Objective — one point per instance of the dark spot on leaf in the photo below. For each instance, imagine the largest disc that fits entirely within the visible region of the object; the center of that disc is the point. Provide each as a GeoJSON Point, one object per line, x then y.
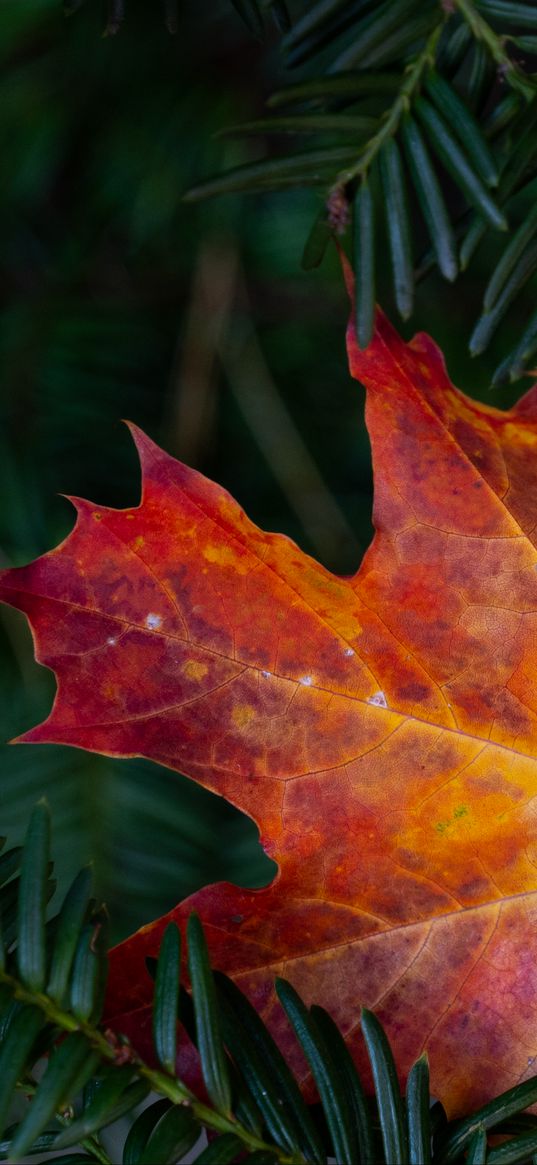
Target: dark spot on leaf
{"type": "Point", "coordinates": [413, 691]}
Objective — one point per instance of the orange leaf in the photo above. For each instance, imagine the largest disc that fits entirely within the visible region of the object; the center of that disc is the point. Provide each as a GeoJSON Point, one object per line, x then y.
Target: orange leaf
{"type": "Point", "coordinates": [381, 729]}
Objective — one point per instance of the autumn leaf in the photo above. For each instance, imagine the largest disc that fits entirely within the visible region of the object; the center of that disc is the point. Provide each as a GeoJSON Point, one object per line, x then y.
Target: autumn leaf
{"type": "Point", "coordinates": [380, 729]}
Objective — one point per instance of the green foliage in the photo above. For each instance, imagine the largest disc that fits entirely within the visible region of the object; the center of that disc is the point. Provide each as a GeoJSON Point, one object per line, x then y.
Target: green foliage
{"type": "Point", "coordinates": [425, 106]}
{"type": "Point", "coordinates": [79, 1080]}
{"type": "Point", "coordinates": [456, 95]}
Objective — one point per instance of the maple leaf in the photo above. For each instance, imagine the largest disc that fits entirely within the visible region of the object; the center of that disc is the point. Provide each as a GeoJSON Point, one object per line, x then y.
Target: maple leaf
{"type": "Point", "coordinates": [380, 729]}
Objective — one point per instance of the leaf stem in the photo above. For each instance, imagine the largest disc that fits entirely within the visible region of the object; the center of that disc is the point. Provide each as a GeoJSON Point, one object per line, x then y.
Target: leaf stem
{"type": "Point", "coordinates": [482, 31]}
{"type": "Point", "coordinates": [393, 116]}
{"type": "Point", "coordinates": [168, 1086]}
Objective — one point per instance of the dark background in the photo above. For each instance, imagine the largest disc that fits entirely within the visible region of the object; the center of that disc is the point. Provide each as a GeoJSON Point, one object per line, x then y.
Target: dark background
{"type": "Point", "coordinates": [195, 321]}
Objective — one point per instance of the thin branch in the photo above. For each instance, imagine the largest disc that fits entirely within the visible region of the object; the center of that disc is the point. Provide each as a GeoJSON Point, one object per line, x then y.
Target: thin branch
{"type": "Point", "coordinates": [167, 1086]}
{"type": "Point", "coordinates": [482, 31]}
{"type": "Point", "coordinates": [393, 116]}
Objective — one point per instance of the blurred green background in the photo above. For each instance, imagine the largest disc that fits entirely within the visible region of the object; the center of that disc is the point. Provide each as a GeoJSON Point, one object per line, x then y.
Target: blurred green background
{"type": "Point", "coordinates": [195, 321]}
